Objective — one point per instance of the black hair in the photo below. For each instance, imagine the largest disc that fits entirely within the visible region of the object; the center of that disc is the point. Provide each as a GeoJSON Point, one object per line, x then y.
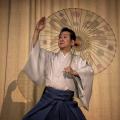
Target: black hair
{"type": "Point", "coordinates": [72, 33]}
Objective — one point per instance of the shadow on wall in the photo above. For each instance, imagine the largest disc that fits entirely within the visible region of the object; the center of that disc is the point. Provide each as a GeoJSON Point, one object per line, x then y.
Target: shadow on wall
{"type": "Point", "coordinates": [12, 110]}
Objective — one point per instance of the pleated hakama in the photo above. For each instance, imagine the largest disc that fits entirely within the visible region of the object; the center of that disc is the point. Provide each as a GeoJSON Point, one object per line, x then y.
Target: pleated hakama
{"type": "Point", "coordinates": [55, 105]}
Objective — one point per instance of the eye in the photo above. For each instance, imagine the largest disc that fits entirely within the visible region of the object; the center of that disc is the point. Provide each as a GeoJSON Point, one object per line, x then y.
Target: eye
{"type": "Point", "coordinates": [60, 37]}
{"type": "Point", "coordinates": [65, 36]}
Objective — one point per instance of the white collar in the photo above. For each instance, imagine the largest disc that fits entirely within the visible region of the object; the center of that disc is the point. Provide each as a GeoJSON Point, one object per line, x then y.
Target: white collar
{"type": "Point", "coordinates": [64, 55]}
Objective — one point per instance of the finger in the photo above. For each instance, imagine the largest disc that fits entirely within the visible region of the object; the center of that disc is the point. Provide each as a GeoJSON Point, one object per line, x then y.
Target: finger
{"type": "Point", "coordinates": [66, 69]}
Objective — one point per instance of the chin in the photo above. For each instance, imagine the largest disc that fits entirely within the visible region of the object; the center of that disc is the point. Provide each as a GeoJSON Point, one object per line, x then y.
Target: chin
{"type": "Point", "coordinates": [61, 47]}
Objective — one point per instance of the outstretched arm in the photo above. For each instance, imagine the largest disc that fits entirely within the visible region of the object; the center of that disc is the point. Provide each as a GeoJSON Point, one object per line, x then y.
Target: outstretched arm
{"type": "Point", "coordinates": [39, 27]}
{"type": "Point", "coordinates": [34, 68]}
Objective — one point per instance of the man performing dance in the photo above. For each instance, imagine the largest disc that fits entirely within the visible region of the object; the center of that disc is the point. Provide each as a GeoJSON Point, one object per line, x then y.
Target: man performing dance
{"type": "Point", "coordinates": [65, 76]}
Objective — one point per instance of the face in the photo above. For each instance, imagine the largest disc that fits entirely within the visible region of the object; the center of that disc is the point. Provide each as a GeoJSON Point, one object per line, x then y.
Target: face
{"type": "Point", "coordinates": [64, 41]}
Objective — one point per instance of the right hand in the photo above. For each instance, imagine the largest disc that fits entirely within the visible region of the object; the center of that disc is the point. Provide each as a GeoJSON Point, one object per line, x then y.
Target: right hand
{"type": "Point", "coordinates": [40, 24]}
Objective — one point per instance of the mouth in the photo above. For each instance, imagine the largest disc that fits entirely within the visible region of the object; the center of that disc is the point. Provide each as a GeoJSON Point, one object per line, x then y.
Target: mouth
{"type": "Point", "coordinates": [61, 43]}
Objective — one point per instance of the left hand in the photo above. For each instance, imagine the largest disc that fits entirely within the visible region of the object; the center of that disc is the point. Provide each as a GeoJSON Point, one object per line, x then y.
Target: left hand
{"type": "Point", "coordinates": [69, 70]}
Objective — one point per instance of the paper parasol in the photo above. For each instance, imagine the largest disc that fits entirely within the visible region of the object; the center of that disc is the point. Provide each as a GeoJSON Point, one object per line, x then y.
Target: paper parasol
{"type": "Point", "coordinates": [95, 39]}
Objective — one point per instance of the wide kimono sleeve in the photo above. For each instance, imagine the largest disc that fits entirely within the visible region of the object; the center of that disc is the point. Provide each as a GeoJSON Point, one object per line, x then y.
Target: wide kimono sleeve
{"type": "Point", "coordinates": [86, 74]}
{"type": "Point", "coordinates": [35, 66]}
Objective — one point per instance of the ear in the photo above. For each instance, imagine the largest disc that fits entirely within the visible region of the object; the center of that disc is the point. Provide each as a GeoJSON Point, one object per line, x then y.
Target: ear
{"type": "Point", "coordinates": [72, 43]}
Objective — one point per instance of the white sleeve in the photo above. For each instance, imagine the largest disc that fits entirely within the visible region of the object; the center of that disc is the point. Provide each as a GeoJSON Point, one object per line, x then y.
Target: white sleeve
{"type": "Point", "coordinates": [85, 72]}
{"type": "Point", "coordinates": [35, 66]}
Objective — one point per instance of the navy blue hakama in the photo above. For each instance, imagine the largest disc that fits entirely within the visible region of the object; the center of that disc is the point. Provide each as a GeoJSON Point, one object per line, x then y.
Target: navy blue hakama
{"type": "Point", "coordinates": [55, 105]}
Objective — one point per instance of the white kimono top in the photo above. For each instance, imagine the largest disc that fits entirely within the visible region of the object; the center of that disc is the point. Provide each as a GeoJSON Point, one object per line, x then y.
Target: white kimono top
{"type": "Point", "coordinates": [45, 66]}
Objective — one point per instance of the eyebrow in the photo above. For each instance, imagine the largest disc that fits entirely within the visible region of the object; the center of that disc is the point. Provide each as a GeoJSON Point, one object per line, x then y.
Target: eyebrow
{"type": "Point", "coordinates": [64, 34]}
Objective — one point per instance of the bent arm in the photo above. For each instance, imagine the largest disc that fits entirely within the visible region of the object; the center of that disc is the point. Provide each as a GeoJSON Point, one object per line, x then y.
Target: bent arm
{"type": "Point", "coordinates": [86, 73]}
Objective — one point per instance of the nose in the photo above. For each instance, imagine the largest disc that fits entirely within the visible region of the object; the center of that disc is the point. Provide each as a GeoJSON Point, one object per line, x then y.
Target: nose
{"type": "Point", "coordinates": [61, 39]}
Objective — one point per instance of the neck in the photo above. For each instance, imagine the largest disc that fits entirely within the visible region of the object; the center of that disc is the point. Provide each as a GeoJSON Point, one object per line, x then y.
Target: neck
{"type": "Point", "coordinates": [65, 51]}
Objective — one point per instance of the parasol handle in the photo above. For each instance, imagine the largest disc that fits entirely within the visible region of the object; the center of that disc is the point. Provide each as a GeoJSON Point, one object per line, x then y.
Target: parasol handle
{"type": "Point", "coordinates": [72, 56]}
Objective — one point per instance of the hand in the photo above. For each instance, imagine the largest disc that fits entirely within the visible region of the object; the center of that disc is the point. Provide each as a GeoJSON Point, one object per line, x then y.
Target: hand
{"type": "Point", "coordinates": [69, 70]}
{"type": "Point", "coordinates": [40, 24]}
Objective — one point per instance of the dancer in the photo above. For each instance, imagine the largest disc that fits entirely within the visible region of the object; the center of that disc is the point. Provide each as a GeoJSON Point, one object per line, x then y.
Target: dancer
{"type": "Point", "coordinates": [65, 76]}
